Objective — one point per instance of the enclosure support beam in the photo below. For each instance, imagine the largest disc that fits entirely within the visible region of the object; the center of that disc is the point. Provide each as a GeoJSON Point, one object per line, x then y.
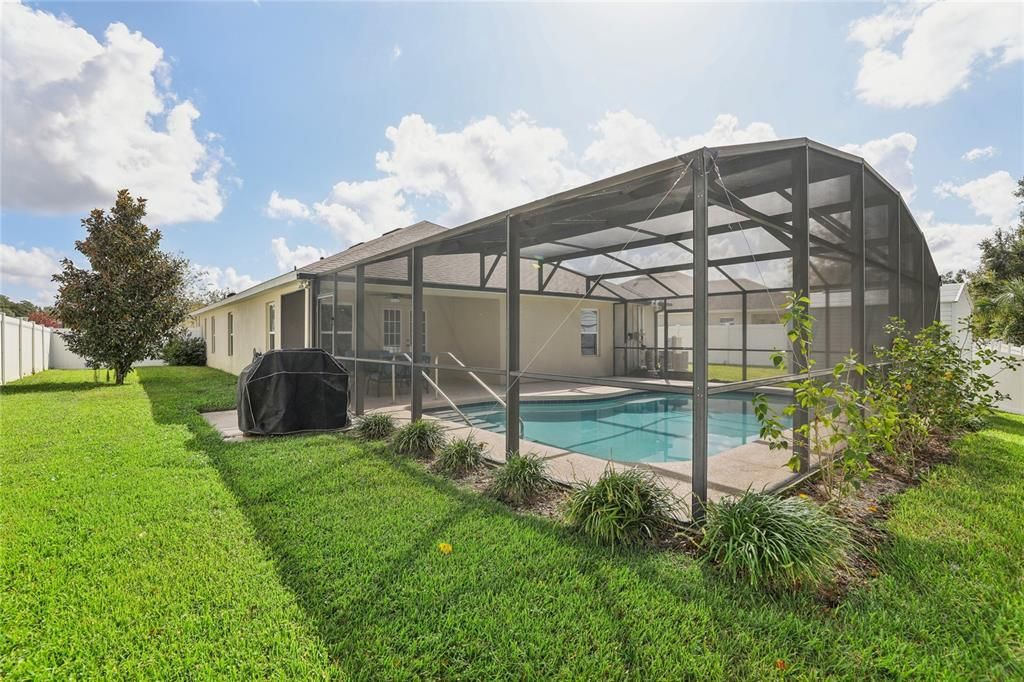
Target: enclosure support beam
{"type": "Point", "coordinates": [895, 262]}
{"type": "Point", "coordinates": [700, 337]}
{"type": "Point", "coordinates": [416, 267]}
{"type": "Point", "coordinates": [334, 317]}
{"type": "Point", "coordinates": [512, 342]}
{"type": "Point", "coordinates": [359, 341]}
{"type": "Point", "coordinates": [743, 333]}
{"type": "Point", "coordinates": [664, 359]}
{"type": "Point", "coordinates": [801, 270]}
{"type": "Point", "coordinates": [857, 279]}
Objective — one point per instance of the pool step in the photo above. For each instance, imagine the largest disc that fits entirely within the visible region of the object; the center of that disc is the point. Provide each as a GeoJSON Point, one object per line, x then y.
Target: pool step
{"type": "Point", "coordinates": [453, 416]}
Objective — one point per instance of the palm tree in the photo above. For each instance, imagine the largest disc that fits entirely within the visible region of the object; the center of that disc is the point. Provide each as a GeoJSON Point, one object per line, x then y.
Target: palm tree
{"type": "Point", "coordinates": [1010, 308]}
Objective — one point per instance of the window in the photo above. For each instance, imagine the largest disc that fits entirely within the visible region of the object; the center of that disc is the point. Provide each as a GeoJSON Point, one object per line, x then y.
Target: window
{"type": "Point", "coordinates": [392, 330]}
{"type": "Point", "coordinates": [343, 329]}
{"type": "Point", "coordinates": [588, 331]}
{"type": "Point", "coordinates": [727, 320]}
{"type": "Point", "coordinates": [206, 328]}
{"type": "Point", "coordinates": [213, 334]}
{"type": "Point", "coordinates": [231, 334]}
{"type": "Point", "coordinates": [271, 326]}
{"type": "Point", "coordinates": [325, 317]}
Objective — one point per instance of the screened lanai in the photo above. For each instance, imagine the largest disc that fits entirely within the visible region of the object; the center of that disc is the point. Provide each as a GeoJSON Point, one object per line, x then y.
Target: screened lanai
{"type": "Point", "coordinates": [640, 315]}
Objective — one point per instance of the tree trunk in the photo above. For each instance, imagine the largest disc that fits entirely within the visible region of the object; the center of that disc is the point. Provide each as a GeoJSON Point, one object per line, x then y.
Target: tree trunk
{"type": "Point", "coordinates": [119, 375]}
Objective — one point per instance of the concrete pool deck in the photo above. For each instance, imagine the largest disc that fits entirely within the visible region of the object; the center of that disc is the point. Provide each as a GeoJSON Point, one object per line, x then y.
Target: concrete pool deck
{"type": "Point", "coordinates": [731, 472]}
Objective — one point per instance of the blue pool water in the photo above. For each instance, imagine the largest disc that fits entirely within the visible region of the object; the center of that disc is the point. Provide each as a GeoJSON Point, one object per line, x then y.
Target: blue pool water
{"type": "Point", "coordinates": [645, 427]}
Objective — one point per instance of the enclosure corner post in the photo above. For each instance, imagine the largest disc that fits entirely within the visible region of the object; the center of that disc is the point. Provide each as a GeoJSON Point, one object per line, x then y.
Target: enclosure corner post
{"type": "Point", "coordinates": [512, 329]}
{"type": "Point", "coordinates": [801, 285]}
{"type": "Point", "coordinates": [858, 279]}
{"type": "Point", "coordinates": [700, 337]}
{"type": "Point", "coordinates": [416, 274]}
{"type": "Point", "coordinates": [359, 341]}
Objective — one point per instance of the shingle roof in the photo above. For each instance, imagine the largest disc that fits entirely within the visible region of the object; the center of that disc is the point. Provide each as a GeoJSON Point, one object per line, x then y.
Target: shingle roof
{"type": "Point", "coordinates": [382, 244]}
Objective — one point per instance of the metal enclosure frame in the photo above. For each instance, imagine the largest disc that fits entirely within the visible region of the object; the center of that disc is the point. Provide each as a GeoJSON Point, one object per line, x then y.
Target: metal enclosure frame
{"type": "Point", "coordinates": [861, 257]}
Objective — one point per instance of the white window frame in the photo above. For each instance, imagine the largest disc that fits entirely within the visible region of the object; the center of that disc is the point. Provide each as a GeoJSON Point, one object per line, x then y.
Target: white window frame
{"type": "Point", "coordinates": [321, 301]}
{"type": "Point", "coordinates": [596, 333]}
{"type": "Point", "coordinates": [231, 334]}
{"type": "Point", "coordinates": [344, 333]}
{"type": "Point", "coordinates": [271, 324]}
{"type": "Point", "coordinates": [395, 315]}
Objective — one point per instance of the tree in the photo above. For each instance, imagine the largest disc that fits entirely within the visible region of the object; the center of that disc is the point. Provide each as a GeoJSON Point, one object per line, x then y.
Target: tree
{"type": "Point", "coordinates": [16, 308]}
{"type": "Point", "coordinates": [958, 277]}
{"type": "Point", "coordinates": [1002, 261]}
{"type": "Point", "coordinates": [127, 305]}
{"type": "Point", "coordinates": [1010, 305]}
{"type": "Point", "coordinates": [44, 318]}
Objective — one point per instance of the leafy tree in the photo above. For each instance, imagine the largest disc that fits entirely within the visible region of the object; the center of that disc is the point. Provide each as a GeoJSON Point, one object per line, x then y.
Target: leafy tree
{"type": "Point", "coordinates": [1002, 261]}
{"type": "Point", "coordinates": [9, 306]}
{"type": "Point", "coordinates": [132, 298]}
{"type": "Point", "coordinates": [958, 277]}
{"type": "Point", "coordinates": [44, 318]}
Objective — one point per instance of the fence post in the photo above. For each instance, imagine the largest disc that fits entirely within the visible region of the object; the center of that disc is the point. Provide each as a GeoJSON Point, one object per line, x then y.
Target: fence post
{"type": "Point", "coordinates": [21, 372]}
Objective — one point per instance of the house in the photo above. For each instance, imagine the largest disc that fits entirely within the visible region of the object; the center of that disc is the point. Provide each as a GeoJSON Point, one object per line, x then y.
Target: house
{"type": "Point", "coordinates": [638, 304]}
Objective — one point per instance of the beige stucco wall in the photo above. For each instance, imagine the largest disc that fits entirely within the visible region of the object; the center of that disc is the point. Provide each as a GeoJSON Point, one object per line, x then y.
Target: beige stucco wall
{"type": "Point", "coordinates": [250, 328]}
{"type": "Point", "coordinates": [469, 324]}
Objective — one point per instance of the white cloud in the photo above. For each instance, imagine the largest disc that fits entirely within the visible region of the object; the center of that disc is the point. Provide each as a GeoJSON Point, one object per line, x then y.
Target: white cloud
{"type": "Point", "coordinates": [490, 165]}
{"type": "Point", "coordinates": [953, 245]}
{"type": "Point", "coordinates": [626, 141]}
{"type": "Point", "coordinates": [990, 197]}
{"type": "Point", "coordinates": [359, 211]}
{"type": "Point", "coordinates": [33, 268]}
{"type": "Point", "coordinates": [921, 53]}
{"type": "Point", "coordinates": [212, 278]}
{"type": "Point", "coordinates": [979, 153]}
{"type": "Point", "coordinates": [396, 52]}
{"type": "Point", "coordinates": [289, 259]}
{"type": "Point", "coordinates": [485, 167]}
{"type": "Point", "coordinates": [284, 208]}
{"type": "Point", "coordinates": [83, 119]}
{"type": "Point", "coordinates": [891, 156]}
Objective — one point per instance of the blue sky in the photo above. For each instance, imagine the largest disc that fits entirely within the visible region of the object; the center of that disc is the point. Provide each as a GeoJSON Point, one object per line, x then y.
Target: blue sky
{"type": "Point", "coordinates": [266, 134]}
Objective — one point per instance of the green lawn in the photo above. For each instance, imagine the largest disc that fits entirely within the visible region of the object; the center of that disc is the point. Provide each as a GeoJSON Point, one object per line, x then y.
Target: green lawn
{"type": "Point", "coordinates": [135, 543]}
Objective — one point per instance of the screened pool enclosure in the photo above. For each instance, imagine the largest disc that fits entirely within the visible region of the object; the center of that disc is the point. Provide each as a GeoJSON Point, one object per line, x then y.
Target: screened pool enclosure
{"type": "Point", "coordinates": [639, 314]}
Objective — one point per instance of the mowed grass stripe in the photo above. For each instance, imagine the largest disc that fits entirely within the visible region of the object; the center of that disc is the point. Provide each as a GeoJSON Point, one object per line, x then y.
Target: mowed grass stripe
{"type": "Point", "coordinates": [124, 555]}
{"type": "Point", "coordinates": [352, 532]}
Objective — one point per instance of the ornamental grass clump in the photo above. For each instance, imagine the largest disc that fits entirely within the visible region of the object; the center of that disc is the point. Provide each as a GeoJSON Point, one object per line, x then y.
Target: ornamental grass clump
{"type": "Point", "coordinates": [460, 456]}
{"type": "Point", "coordinates": [774, 542]}
{"type": "Point", "coordinates": [520, 479]}
{"type": "Point", "coordinates": [622, 508]}
{"type": "Point", "coordinates": [421, 439]}
{"type": "Point", "coordinates": [375, 426]}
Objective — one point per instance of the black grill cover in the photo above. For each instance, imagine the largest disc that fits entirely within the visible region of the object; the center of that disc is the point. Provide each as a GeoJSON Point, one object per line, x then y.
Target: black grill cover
{"type": "Point", "coordinates": [288, 391]}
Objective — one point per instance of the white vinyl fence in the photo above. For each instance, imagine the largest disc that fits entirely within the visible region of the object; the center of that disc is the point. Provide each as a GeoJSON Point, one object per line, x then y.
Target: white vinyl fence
{"type": "Point", "coordinates": [1010, 382]}
{"type": "Point", "coordinates": [27, 348]}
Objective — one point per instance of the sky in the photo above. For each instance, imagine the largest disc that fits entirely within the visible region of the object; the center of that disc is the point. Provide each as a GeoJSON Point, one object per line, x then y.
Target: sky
{"type": "Point", "coordinates": [264, 135]}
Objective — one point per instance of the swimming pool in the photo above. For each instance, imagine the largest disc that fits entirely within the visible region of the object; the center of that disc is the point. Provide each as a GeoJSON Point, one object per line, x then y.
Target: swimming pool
{"type": "Point", "coordinates": [638, 427]}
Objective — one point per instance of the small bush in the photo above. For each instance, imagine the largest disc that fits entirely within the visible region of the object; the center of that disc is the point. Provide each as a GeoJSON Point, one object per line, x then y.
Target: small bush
{"type": "Point", "coordinates": [774, 542]}
{"type": "Point", "coordinates": [375, 426]}
{"type": "Point", "coordinates": [421, 439]}
{"type": "Point", "coordinates": [519, 479]}
{"type": "Point", "coordinates": [184, 350]}
{"type": "Point", "coordinates": [460, 456]}
{"type": "Point", "coordinates": [623, 508]}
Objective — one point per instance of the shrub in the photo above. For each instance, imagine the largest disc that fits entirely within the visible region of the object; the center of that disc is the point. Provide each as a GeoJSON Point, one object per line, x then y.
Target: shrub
{"type": "Point", "coordinates": [519, 479]}
{"type": "Point", "coordinates": [421, 439]}
{"type": "Point", "coordinates": [460, 456]}
{"type": "Point", "coordinates": [184, 350]}
{"type": "Point", "coordinates": [935, 385]}
{"type": "Point", "coordinates": [376, 426]}
{"type": "Point", "coordinates": [626, 508]}
{"type": "Point", "coordinates": [841, 429]}
{"type": "Point", "coordinates": [774, 542]}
